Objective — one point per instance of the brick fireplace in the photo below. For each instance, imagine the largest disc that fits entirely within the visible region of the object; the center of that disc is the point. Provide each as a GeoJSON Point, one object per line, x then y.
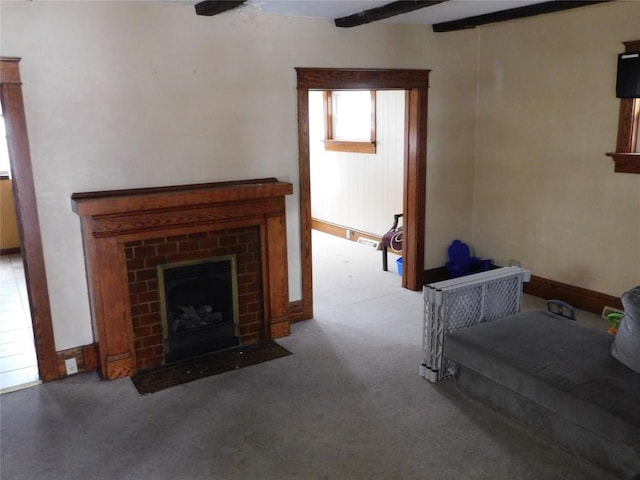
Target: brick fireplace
{"type": "Point", "coordinates": [128, 233]}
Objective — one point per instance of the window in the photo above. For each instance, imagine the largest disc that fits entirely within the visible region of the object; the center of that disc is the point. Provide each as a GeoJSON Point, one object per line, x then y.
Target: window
{"type": "Point", "coordinates": [627, 154]}
{"type": "Point", "coordinates": [350, 121]}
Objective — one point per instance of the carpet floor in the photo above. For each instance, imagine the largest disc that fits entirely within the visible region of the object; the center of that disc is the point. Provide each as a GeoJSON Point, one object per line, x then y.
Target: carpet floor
{"type": "Point", "coordinates": [349, 404]}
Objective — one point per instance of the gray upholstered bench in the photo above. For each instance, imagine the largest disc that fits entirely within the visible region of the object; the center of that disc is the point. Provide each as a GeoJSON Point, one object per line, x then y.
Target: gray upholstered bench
{"type": "Point", "coordinates": [559, 378]}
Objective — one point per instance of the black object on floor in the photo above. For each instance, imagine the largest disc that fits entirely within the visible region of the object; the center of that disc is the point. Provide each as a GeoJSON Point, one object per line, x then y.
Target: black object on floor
{"type": "Point", "coordinates": [154, 380]}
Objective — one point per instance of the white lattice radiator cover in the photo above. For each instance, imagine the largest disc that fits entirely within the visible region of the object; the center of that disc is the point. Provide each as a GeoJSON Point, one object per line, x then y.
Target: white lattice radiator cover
{"type": "Point", "coordinates": [463, 302]}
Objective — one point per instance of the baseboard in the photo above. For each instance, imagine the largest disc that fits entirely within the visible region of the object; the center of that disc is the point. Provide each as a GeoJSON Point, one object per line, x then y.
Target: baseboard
{"type": "Point", "coordinates": [280, 330]}
{"type": "Point", "coordinates": [341, 231]}
{"type": "Point", "coordinates": [9, 251]}
{"type": "Point", "coordinates": [434, 275]}
{"type": "Point", "coordinates": [577, 297]}
{"type": "Point", "coordinates": [86, 358]}
{"type": "Point", "coordinates": [297, 311]}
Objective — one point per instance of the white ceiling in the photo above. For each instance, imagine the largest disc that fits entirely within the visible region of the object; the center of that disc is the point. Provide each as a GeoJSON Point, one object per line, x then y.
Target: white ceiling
{"type": "Point", "coordinates": [332, 9]}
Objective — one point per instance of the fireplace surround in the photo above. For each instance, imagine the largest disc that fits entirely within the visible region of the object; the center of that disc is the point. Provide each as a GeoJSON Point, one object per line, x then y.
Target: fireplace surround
{"type": "Point", "coordinates": [128, 233]}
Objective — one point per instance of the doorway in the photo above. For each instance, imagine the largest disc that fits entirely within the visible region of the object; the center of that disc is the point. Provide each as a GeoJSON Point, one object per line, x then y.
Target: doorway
{"type": "Point", "coordinates": [27, 216]}
{"type": "Point", "coordinates": [415, 83]}
{"type": "Point", "coordinates": [18, 361]}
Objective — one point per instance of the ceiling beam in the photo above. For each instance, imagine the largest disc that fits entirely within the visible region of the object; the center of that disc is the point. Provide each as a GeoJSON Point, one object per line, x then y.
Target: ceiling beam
{"type": "Point", "coordinates": [512, 14]}
{"type": "Point", "coordinates": [389, 10]}
{"type": "Point", "coordinates": [214, 7]}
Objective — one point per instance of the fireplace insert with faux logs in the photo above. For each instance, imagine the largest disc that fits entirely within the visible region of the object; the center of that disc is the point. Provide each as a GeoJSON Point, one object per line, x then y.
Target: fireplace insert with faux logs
{"type": "Point", "coordinates": [198, 306]}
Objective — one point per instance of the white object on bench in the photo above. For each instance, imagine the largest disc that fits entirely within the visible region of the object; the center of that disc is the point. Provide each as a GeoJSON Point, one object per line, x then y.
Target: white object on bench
{"type": "Point", "coordinates": [463, 302]}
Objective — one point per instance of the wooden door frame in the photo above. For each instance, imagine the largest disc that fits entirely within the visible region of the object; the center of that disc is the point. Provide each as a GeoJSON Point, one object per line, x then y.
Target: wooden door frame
{"type": "Point", "coordinates": [416, 85]}
{"type": "Point", "coordinates": [27, 216]}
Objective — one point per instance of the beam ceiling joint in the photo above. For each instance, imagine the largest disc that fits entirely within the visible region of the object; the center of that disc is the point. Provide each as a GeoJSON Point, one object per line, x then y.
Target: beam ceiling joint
{"type": "Point", "coordinates": [385, 11]}
{"type": "Point", "coordinates": [210, 8]}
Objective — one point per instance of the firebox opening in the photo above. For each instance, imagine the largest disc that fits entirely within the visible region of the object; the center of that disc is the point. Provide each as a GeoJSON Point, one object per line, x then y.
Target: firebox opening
{"type": "Point", "coordinates": [198, 307]}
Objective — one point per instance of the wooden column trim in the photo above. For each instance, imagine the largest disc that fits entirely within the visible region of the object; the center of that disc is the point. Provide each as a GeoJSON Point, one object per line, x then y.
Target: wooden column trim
{"type": "Point", "coordinates": [27, 216]}
{"type": "Point", "coordinates": [415, 171]}
{"type": "Point", "coordinates": [278, 277]}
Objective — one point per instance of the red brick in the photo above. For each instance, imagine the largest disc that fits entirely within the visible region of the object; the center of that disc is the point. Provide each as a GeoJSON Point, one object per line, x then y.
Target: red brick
{"type": "Point", "coordinates": [139, 309]}
{"type": "Point", "coordinates": [229, 240]}
{"type": "Point", "coordinates": [240, 248]}
{"type": "Point", "coordinates": [137, 287]}
{"type": "Point", "coordinates": [188, 246]}
{"type": "Point", "coordinates": [244, 242]}
{"type": "Point", "coordinates": [249, 278]}
{"type": "Point", "coordinates": [154, 261]}
{"type": "Point", "coordinates": [167, 248]}
{"type": "Point", "coordinates": [248, 237]}
{"type": "Point", "coordinates": [135, 264]}
{"type": "Point", "coordinates": [252, 297]}
{"type": "Point", "coordinates": [207, 243]}
{"type": "Point", "coordinates": [145, 251]}
{"type": "Point", "coordinates": [150, 318]}
{"type": "Point", "coordinates": [198, 235]}
{"type": "Point", "coordinates": [153, 241]}
{"type": "Point", "coordinates": [143, 353]}
{"type": "Point", "coordinates": [178, 257]}
{"type": "Point", "coordinates": [176, 238]}
{"type": "Point", "coordinates": [152, 341]}
{"type": "Point", "coordinates": [143, 331]}
{"type": "Point", "coordinates": [147, 297]}
{"type": "Point", "coordinates": [146, 274]}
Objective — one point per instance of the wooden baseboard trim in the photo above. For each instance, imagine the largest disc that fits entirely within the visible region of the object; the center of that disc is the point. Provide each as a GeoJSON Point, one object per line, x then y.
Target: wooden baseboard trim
{"type": "Point", "coordinates": [86, 359]}
{"type": "Point", "coordinates": [341, 231]}
{"type": "Point", "coordinates": [297, 312]}
{"type": "Point", "coordinates": [9, 251]}
{"type": "Point", "coordinates": [280, 329]}
{"type": "Point", "coordinates": [434, 275]}
{"type": "Point", "coordinates": [577, 297]}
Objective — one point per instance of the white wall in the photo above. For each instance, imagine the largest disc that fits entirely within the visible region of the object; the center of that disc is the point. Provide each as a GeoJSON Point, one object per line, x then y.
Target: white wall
{"type": "Point", "coordinates": [545, 193]}
{"type": "Point", "coordinates": [136, 94]}
{"type": "Point", "coordinates": [359, 190]}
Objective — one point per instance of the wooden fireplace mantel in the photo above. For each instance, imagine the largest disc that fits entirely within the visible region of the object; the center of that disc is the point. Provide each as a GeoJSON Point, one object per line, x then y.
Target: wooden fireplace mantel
{"type": "Point", "coordinates": [111, 218]}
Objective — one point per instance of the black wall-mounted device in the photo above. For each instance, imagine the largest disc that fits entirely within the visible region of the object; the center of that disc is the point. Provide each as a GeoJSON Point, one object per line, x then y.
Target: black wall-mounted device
{"type": "Point", "coordinates": [628, 79]}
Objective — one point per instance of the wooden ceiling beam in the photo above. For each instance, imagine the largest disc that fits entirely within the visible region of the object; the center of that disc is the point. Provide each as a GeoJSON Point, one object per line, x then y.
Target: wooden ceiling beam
{"type": "Point", "coordinates": [214, 7]}
{"type": "Point", "coordinates": [512, 14]}
{"type": "Point", "coordinates": [389, 10]}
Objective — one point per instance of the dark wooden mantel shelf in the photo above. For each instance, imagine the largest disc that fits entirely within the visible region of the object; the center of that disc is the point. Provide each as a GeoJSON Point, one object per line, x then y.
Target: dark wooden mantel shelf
{"type": "Point", "coordinates": [112, 218]}
{"type": "Point", "coordinates": [137, 199]}
{"type": "Point", "coordinates": [626, 162]}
